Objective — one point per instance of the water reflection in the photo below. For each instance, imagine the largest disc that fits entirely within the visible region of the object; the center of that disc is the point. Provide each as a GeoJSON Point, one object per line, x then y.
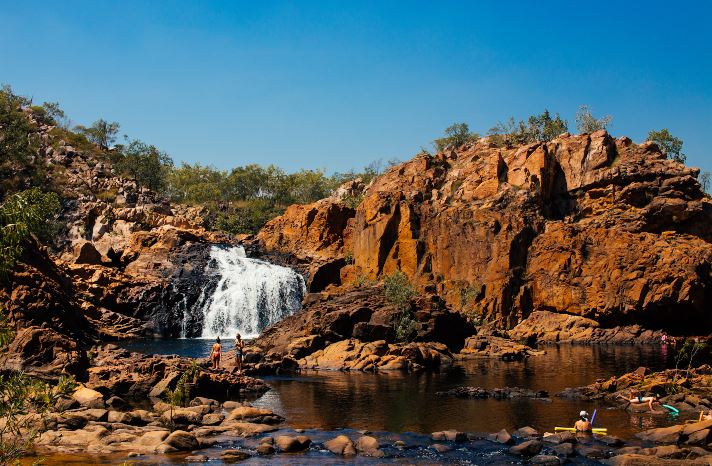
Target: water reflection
{"type": "Point", "coordinates": [408, 402]}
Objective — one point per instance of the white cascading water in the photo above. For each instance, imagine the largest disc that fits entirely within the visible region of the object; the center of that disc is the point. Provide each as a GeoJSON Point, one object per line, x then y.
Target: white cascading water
{"type": "Point", "coordinates": [250, 294]}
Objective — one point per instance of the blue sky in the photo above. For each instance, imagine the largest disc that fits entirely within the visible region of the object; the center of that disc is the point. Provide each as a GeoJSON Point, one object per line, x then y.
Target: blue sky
{"type": "Point", "coordinates": [335, 85]}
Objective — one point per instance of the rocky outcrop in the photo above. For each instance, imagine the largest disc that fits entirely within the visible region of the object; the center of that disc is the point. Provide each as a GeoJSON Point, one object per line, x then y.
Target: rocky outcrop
{"type": "Point", "coordinates": [587, 226]}
{"type": "Point", "coordinates": [552, 327]}
{"type": "Point", "coordinates": [685, 390]}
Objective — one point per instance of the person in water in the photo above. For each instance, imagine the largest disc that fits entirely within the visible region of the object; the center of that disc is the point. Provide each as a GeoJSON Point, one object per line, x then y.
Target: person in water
{"type": "Point", "coordinates": [215, 354]}
{"type": "Point", "coordinates": [239, 349]}
{"type": "Point", "coordinates": [638, 398]}
{"type": "Point", "coordinates": [583, 424]}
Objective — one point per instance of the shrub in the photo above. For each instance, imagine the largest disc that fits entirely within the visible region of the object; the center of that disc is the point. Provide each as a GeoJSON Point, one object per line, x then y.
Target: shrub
{"type": "Point", "coordinates": [22, 214]}
{"type": "Point", "coordinates": [671, 145]}
{"type": "Point", "coordinates": [537, 128]}
{"type": "Point", "coordinates": [456, 135]}
{"type": "Point", "coordinates": [144, 163]}
{"type": "Point", "coordinates": [587, 123]}
{"type": "Point", "coordinates": [405, 327]}
{"type": "Point", "coordinates": [398, 290]}
{"type": "Point", "coordinates": [101, 132]}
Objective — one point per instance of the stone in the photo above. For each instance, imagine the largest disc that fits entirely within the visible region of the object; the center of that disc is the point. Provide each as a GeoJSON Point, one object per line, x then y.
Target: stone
{"type": "Point", "coordinates": [527, 448]}
{"type": "Point", "coordinates": [290, 444]}
{"type": "Point", "coordinates": [369, 446]}
{"type": "Point", "coordinates": [212, 419]}
{"type": "Point", "coordinates": [545, 460]}
{"type": "Point", "coordinates": [181, 416]}
{"type": "Point", "coordinates": [564, 449]}
{"type": "Point", "coordinates": [116, 403]}
{"type": "Point", "coordinates": [440, 448]}
{"type": "Point", "coordinates": [340, 445]}
{"type": "Point", "coordinates": [526, 432]}
{"type": "Point", "coordinates": [662, 435]}
{"type": "Point", "coordinates": [88, 398]}
{"type": "Point", "coordinates": [234, 456]}
{"type": "Point", "coordinates": [559, 438]}
{"type": "Point", "coordinates": [700, 437]}
{"type": "Point", "coordinates": [265, 449]}
{"type": "Point", "coordinates": [196, 459]}
{"type": "Point", "coordinates": [502, 437]}
{"type": "Point", "coordinates": [181, 440]}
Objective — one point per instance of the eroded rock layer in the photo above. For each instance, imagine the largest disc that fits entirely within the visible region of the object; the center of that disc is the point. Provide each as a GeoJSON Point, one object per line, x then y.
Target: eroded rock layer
{"type": "Point", "coordinates": [585, 225]}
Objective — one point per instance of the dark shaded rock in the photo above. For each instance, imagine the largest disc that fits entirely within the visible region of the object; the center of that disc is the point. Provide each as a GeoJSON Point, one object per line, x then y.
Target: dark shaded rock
{"type": "Point", "coordinates": [528, 448]}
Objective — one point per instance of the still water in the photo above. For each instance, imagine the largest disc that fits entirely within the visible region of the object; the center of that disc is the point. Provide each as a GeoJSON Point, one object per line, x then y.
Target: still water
{"type": "Point", "coordinates": [409, 402]}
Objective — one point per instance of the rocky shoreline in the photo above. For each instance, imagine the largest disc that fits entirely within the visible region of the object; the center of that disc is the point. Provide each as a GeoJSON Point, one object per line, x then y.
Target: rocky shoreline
{"type": "Point", "coordinates": [121, 411]}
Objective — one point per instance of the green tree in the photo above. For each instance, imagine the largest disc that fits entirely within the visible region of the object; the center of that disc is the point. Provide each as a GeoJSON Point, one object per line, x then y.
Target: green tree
{"type": "Point", "coordinates": [398, 291]}
{"type": "Point", "coordinates": [18, 137]}
{"type": "Point", "coordinates": [587, 123]}
{"type": "Point", "coordinates": [146, 164]}
{"type": "Point", "coordinates": [102, 133]}
{"type": "Point", "coordinates": [456, 135]}
{"type": "Point", "coordinates": [671, 145]}
{"type": "Point", "coordinates": [537, 128]}
{"type": "Point", "coordinates": [544, 127]}
{"type": "Point", "coordinates": [22, 214]}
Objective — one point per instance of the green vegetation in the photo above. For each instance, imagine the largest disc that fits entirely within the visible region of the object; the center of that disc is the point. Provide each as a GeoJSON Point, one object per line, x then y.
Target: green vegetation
{"type": "Point", "coordinates": [18, 142]}
{"type": "Point", "coordinates": [587, 123]}
{"type": "Point", "coordinates": [22, 214]}
{"type": "Point", "coordinates": [399, 292]}
{"type": "Point", "coordinates": [456, 135]}
{"type": "Point", "coordinates": [671, 145]}
{"type": "Point", "coordinates": [101, 132]}
{"type": "Point", "coordinates": [537, 128]}
{"type": "Point", "coordinates": [688, 355]}
{"type": "Point", "coordinates": [23, 403]}
{"type": "Point", "coordinates": [144, 163]}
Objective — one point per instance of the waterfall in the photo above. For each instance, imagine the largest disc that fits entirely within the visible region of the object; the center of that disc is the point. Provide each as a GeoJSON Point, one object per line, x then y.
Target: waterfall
{"type": "Point", "coordinates": [250, 294]}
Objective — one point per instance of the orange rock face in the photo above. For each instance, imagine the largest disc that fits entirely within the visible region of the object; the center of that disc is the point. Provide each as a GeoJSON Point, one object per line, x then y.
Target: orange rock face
{"type": "Point", "coordinates": [588, 225]}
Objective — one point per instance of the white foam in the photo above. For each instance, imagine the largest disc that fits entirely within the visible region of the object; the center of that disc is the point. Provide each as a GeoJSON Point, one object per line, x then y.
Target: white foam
{"type": "Point", "coordinates": [250, 294]}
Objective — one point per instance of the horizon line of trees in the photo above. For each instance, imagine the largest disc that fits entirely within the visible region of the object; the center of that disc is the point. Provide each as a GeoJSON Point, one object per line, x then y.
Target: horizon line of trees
{"type": "Point", "coordinates": [243, 199]}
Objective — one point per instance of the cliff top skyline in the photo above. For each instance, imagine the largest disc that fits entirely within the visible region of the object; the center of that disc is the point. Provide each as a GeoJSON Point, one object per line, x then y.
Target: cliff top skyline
{"type": "Point", "coordinates": [322, 86]}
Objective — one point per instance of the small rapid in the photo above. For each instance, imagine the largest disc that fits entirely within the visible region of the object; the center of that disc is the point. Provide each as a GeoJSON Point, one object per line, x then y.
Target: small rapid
{"type": "Point", "coordinates": [250, 294]}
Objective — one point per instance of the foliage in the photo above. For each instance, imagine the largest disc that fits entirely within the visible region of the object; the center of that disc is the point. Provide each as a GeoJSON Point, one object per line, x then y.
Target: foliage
{"type": "Point", "coordinates": [704, 179]}
{"type": "Point", "coordinates": [22, 214]}
{"type": "Point", "coordinates": [537, 128]}
{"type": "Point", "coordinates": [145, 164]}
{"type": "Point", "coordinates": [23, 403]}
{"type": "Point", "coordinates": [587, 123]}
{"type": "Point", "coordinates": [405, 326]}
{"type": "Point", "coordinates": [247, 217]}
{"type": "Point", "coordinates": [362, 280]}
{"type": "Point", "coordinates": [456, 135]}
{"type": "Point", "coordinates": [671, 145]}
{"type": "Point", "coordinates": [18, 138]}
{"type": "Point", "coordinates": [7, 332]}
{"type": "Point", "coordinates": [688, 353]}
{"type": "Point", "coordinates": [50, 113]}
{"type": "Point", "coordinates": [101, 132]}
{"type": "Point", "coordinates": [349, 258]}
{"type": "Point", "coordinates": [398, 290]}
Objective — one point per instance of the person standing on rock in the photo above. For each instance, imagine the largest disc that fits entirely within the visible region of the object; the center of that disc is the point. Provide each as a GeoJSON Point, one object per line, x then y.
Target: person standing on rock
{"type": "Point", "coordinates": [239, 349]}
{"type": "Point", "coordinates": [215, 354]}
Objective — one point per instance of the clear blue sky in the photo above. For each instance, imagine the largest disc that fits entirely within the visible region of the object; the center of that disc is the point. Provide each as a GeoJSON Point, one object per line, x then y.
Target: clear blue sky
{"type": "Point", "coordinates": [335, 85]}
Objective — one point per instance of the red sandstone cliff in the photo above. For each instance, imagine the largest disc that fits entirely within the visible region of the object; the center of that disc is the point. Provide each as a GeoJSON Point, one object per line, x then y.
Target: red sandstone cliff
{"type": "Point", "coordinates": [586, 225]}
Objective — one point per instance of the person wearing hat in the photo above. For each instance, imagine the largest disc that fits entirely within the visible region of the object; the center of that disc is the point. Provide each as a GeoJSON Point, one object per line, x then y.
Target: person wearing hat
{"type": "Point", "coordinates": [583, 424]}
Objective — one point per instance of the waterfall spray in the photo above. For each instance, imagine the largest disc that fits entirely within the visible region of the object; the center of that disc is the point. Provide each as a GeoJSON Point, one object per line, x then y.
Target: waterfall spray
{"type": "Point", "coordinates": [250, 294]}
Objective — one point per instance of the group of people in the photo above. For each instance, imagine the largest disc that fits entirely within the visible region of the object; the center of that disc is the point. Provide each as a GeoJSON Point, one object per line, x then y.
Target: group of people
{"type": "Point", "coordinates": [584, 424]}
{"type": "Point", "coordinates": [216, 353]}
